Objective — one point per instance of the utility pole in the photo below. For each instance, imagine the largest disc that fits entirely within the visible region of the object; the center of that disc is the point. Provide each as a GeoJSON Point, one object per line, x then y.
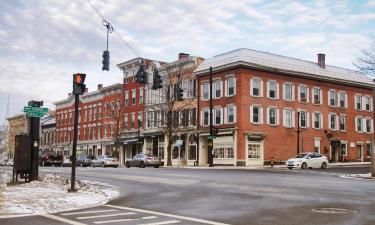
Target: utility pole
{"type": "Point", "coordinates": [34, 133]}
{"type": "Point", "coordinates": [210, 139]}
{"type": "Point", "coordinates": [298, 131]}
{"type": "Point", "coordinates": [78, 89]}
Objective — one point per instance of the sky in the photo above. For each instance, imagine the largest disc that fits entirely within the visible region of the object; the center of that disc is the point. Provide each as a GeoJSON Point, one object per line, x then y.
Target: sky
{"type": "Point", "coordinates": [42, 43]}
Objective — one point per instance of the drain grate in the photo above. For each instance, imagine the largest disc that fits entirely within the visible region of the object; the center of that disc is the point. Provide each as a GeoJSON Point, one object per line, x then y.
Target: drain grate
{"type": "Point", "coordinates": [333, 210]}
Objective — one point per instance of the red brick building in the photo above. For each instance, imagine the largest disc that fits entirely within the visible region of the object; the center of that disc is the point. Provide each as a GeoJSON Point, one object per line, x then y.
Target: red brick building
{"type": "Point", "coordinates": [259, 97]}
{"type": "Point", "coordinates": [99, 112]}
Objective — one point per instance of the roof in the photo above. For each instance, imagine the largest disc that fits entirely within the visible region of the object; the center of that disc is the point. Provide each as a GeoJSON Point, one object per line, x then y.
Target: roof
{"type": "Point", "coordinates": [268, 61]}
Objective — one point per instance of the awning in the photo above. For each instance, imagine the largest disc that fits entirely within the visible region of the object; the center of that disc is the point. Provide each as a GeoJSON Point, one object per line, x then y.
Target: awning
{"type": "Point", "coordinates": [129, 141]}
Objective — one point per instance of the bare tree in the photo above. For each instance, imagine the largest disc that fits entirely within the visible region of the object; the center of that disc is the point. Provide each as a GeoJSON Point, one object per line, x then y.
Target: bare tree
{"type": "Point", "coordinates": [366, 61]}
{"type": "Point", "coordinates": [115, 122]}
{"type": "Point", "coordinates": [169, 107]}
{"type": "Point", "coordinates": [3, 139]}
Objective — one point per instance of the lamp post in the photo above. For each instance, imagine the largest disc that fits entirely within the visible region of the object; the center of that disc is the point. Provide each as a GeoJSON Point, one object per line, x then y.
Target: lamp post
{"type": "Point", "coordinates": [298, 131]}
{"type": "Point", "coordinates": [139, 132]}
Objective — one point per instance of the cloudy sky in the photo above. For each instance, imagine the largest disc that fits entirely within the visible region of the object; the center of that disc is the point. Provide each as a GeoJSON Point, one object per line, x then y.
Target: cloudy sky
{"type": "Point", "coordinates": [42, 43]}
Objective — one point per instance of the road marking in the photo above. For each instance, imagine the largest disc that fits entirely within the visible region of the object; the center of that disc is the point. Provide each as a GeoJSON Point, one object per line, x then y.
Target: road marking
{"type": "Point", "coordinates": [57, 218]}
{"type": "Point", "coordinates": [168, 215]}
{"type": "Point", "coordinates": [89, 212]}
{"type": "Point", "coordinates": [124, 220]}
{"type": "Point", "coordinates": [161, 223]}
{"type": "Point", "coordinates": [107, 215]}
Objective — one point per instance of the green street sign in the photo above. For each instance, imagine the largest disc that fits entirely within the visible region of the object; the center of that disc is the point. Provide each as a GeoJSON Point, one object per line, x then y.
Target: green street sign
{"type": "Point", "coordinates": [26, 108]}
{"type": "Point", "coordinates": [35, 111]}
{"type": "Point", "coordinates": [211, 137]}
{"type": "Point", "coordinates": [34, 114]}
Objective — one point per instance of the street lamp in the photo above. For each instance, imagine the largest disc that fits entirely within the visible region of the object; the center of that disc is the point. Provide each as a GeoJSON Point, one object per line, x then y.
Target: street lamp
{"type": "Point", "coordinates": [139, 132]}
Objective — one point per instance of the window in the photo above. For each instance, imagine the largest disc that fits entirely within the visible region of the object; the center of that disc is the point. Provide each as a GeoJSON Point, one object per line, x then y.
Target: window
{"type": "Point", "coordinates": [132, 120]}
{"type": "Point", "coordinates": [368, 125]}
{"type": "Point", "coordinates": [231, 114]}
{"type": "Point", "coordinates": [273, 116]}
{"type": "Point", "coordinates": [368, 150]}
{"type": "Point", "coordinates": [317, 145]}
{"type": "Point", "coordinates": [223, 152]}
{"type": "Point", "coordinates": [218, 116]}
{"type": "Point", "coordinates": [358, 121]}
{"type": "Point", "coordinates": [303, 119]}
{"type": "Point", "coordinates": [217, 85]}
{"type": "Point", "coordinates": [332, 98]}
{"type": "Point", "coordinates": [342, 123]}
{"type": "Point", "coordinates": [288, 118]}
{"type": "Point", "coordinates": [205, 91]}
{"type": "Point", "coordinates": [256, 87]}
{"type": "Point", "coordinates": [256, 114]}
{"type": "Point", "coordinates": [206, 117]}
{"type": "Point", "coordinates": [192, 152]}
{"type": "Point", "coordinates": [342, 100]}
{"type": "Point", "coordinates": [140, 95]}
{"type": "Point", "coordinates": [126, 77]}
{"type": "Point", "coordinates": [288, 92]}
{"type": "Point", "coordinates": [317, 123]}
{"type": "Point", "coordinates": [126, 98]}
{"type": "Point", "coordinates": [134, 95]}
{"type": "Point", "coordinates": [140, 119]}
{"type": "Point", "coordinates": [303, 94]}
{"type": "Point", "coordinates": [367, 103]}
{"type": "Point", "coordinates": [125, 121]}
{"type": "Point", "coordinates": [343, 148]}
{"type": "Point", "coordinates": [272, 91]}
{"type": "Point", "coordinates": [358, 102]}
{"type": "Point", "coordinates": [332, 121]}
{"type": "Point", "coordinates": [192, 117]}
{"type": "Point", "coordinates": [191, 88]}
{"type": "Point", "coordinates": [317, 95]}
{"type": "Point", "coordinates": [231, 86]}
{"type": "Point", "coordinates": [99, 112]}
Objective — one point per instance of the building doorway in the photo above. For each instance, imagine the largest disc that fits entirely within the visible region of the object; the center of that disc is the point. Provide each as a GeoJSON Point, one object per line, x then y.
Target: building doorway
{"type": "Point", "coordinates": [254, 151]}
{"type": "Point", "coordinates": [360, 152]}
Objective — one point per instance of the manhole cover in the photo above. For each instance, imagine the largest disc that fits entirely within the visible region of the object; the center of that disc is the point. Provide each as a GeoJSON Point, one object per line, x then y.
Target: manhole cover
{"type": "Point", "coordinates": [333, 210]}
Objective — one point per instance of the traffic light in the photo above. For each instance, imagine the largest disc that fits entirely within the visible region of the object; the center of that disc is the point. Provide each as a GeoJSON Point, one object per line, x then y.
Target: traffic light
{"type": "Point", "coordinates": [105, 60]}
{"type": "Point", "coordinates": [78, 83]}
{"type": "Point", "coordinates": [157, 82]}
{"type": "Point", "coordinates": [141, 75]}
{"type": "Point", "coordinates": [180, 94]}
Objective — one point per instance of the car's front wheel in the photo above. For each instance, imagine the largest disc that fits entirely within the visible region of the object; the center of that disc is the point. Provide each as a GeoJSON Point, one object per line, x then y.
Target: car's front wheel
{"type": "Point", "coordinates": [304, 165]}
{"type": "Point", "coordinates": [290, 168]}
{"type": "Point", "coordinates": [102, 165]}
{"type": "Point", "coordinates": [324, 165]}
{"type": "Point", "coordinates": [92, 165]}
{"type": "Point", "coordinates": [81, 164]}
{"type": "Point", "coordinates": [142, 164]}
{"type": "Point", "coordinates": [127, 165]}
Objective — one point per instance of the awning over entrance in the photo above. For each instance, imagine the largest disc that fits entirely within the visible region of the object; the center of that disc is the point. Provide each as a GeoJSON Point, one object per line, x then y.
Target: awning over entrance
{"type": "Point", "coordinates": [129, 141]}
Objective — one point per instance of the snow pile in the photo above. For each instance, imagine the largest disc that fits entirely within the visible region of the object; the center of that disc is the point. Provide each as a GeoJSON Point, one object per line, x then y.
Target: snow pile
{"type": "Point", "coordinates": [361, 176]}
{"type": "Point", "coordinates": [50, 195]}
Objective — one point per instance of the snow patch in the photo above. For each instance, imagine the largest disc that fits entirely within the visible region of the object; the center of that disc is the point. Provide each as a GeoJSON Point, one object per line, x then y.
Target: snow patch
{"type": "Point", "coordinates": [50, 195]}
{"type": "Point", "coordinates": [359, 176]}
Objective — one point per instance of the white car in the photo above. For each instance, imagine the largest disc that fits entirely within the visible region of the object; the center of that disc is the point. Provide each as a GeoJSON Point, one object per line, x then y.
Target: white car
{"type": "Point", "coordinates": [307, 160]}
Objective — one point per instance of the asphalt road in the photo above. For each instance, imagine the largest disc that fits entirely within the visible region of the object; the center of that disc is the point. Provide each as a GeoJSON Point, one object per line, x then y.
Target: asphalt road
{"type": "Point", "coordinates": [228, 196]}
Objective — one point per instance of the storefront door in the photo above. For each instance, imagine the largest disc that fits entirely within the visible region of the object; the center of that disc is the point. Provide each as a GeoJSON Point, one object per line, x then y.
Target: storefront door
{"type": "Point", "coordinates": [360, 153]}
{"type": "Point", "coordinates": [254, 151]}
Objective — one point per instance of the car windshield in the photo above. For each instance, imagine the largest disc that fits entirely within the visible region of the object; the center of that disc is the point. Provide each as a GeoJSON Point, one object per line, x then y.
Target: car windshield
{"type": "Point", "coordinates": [299, 156]}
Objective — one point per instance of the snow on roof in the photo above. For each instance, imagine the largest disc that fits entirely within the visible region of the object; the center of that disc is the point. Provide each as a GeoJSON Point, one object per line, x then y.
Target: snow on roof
{"type": "Point", "coordinates": [258, 59]}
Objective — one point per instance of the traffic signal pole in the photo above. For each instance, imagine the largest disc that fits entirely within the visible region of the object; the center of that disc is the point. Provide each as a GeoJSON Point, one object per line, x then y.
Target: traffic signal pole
{"type": "Point", "coordinates": [74, 151]}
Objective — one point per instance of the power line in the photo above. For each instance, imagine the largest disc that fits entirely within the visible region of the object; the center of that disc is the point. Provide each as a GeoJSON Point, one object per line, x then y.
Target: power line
{"type": "Point", "coordinates": [116, 33]}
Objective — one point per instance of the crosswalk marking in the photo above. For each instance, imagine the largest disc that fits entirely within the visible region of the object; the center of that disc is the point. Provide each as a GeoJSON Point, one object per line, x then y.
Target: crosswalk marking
{"type": "Point", "coordinates": [89, 212]}
{"type": "Point", "coordinates": [64, 220]}
{"type": "Point", "coordinates": [201, 221]}
{"type": "Point", "coordinates": [124, 220]}
{"type": "Point", "coordinates": [106, 215]}
{"type": "Point", "coordinates": [162, 223]}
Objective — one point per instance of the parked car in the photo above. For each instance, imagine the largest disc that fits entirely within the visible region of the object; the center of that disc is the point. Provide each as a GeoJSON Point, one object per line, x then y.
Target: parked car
{"type": "Point", "coordinates": [50, 158]}
{"type": "Point", "coordinates": [105, 160]}
{"type": "Point", "coordinates": [84, 160]}
{"type": "Point", "coordinates": [142, 160]}
{"type": "Point", "coordinates": [67, 161]}
{"type": "Point", "coordinates": [307, 160]}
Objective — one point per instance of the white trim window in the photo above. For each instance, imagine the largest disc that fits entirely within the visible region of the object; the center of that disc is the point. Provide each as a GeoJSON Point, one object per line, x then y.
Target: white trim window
{"type": "Point", "coordinates": [205, 90]}
{"type": "Point", "coordinates": [256, 87]}
{"type": "Point", "coordinates": [317, 96]}
{"type": "Point", "coordinates": [332, 98]}
{"type": "Point", "coordinates": [217, 89]}
{"type": "Point", "coordinates": [191, 88]}
{"type": "Point", "coordinates": [367, 103]}
{"type": "Point", "coordinates": [358, 124]}
{"type": "Point", "coordinates": [344, 148]}
{"type": "Point", "coordinates": [134, 96]}
{"type": "Point", "coordinates": [272, 89]}
{"type": "Point", "coordinates": [273, 116]}
{"type": "Point", "coordinates": [218, 115]}
{"type": "Point", "coordinates": [342, 123]}
{"type": "Point", "coordinates": [358, 102]}
{"type": "Point", "coordinates": [317, 122]}
{"type": "Point", "coordinates": [231, 114]}
{"type": "Point", "coordinates": [230, 86]}
{"type": "Point", "coordinates": [205, 117]}
{"type": "Point", "coordinates": [288, 92]}
{"type": "Point", "coordinates": [303, 94]}
{"type": "Point", "coordinates": [288, 118]}
{"type": "Point", "coordinates": [125, 121]}
{"type": "Point", "coordinates": [332, 121]}
{"type": "Point", "coordinates": [256, 114]}
{"type": "Point", "coordinates": [141, 91]}
{"type": "Point", "coordinates": [368, 125]}
{"type": "Point", "coordinates": [343, 100]}
{"type": "Point", "coordinates": [303, 119]}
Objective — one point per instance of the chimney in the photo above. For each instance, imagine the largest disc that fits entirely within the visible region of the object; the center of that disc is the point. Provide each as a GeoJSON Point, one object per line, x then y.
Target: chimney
{"type": "Point", "coordinates": [86, 90]}
{"type": "Point", "coordinates": [182, 56]}
{"type": "Point", "coordinates": [322, 60]}
{"type": "Point", "coordinates": [100, 87]}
